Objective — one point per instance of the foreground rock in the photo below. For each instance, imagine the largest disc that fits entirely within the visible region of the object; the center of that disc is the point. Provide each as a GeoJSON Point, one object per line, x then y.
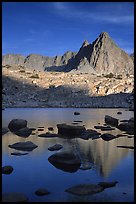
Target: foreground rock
{"type": "Point", "coordinates": [55, 147]}
{"type": "Point", "coordinates": [108, 184]}
{"type": "Point", "coordinates": [111, 121]}
{"type": "Point", "coordinates": [14, 197]}
{"type": "Point", "coordinates": [42, 192]}
{"type": "Point", "coordinates": [24, 146]}
{"type": "Point", "coordinates": [65, 161]}
{"type": "Point", "coordinates": [23, 132]}
{"type": "Point", "coordinates": [85, 189]}
{"type": "Point", "coordinates": [7, 169]}
{"type": "Point", "coordinates": [17, 124]}
{"type": "Point", "coordinates": [70, 130]}
{"type": "Point", "coordinates": [108, 137]}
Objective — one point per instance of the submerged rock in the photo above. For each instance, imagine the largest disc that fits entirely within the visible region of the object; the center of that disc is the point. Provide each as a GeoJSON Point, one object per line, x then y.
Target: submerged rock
{"type": "Point", "coordinates": [42, 192]}
{"type": "Point", "coordinates": [19, 153]}
{"type": "Point", "coordinates": [14, 197]}
{"type": "Point", "coordinates": [55, 147]}
{"type": "Point", "coordinates": [23, 132]}
{"type": "Point", "coordinates": [98, 126]}
{"type": "Point", "coordinates": [108, 137]}
{"type": "Point", "coordinates": [85, 189]}
{"type": "Point", "coordinates": [86, 166]}
{"type": "Point", "coordinates": [66, 161]}
{"type": "Point", "coordinates": [17, 124]}
{"type": "Point", "coordinates": [47, 135]}
{"type": "Point", "coordinates": [24, 146]}
{"type": "Point", "coordinates": [107, 128]}
{"type": "Point", "coordinates": [33, 129]}
{"type": "Point", "coordinates": [108, 184]}
{"type": "Point", "coordinates": [7, 169]}
{"type": "Point", "coordinates": [40, 129]}
{"type": "Point", "coordinates": [78, 121]}
{"type": "Point", "coordinates": [111, 121]}
{"type": "Point", "coordinates": [119, 112]}
{"type": "Point", "coordinates": [123, 146]}
{"type": "Point", "coordinates": [76, 113]}
{"type": "Point", "coordinates": [50, 128]}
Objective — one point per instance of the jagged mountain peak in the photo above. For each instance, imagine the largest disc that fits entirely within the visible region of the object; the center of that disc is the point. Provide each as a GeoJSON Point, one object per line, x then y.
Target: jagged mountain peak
{"type": "Point", "coordinates": [85, 43]}
{"type": "Point", "coordinates": [104, 34]}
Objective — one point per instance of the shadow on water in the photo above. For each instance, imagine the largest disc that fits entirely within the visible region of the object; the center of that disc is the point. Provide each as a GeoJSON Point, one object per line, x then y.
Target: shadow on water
{"type": "Point", "coordinates": [61, 96]}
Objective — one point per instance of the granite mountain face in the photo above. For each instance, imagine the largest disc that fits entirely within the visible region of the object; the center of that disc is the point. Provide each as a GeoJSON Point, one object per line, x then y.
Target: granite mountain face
{"type": "Point", "coordinates": [103, 56]}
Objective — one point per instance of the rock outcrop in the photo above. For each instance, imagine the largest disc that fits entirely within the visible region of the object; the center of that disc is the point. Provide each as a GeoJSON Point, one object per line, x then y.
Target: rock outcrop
{"type": "Point", "coordinates": [12, 59]}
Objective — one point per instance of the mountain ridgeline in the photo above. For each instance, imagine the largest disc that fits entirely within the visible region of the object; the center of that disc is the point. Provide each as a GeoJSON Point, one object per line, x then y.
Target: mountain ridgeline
{"type": "Point", "coordinates": [103, 56]}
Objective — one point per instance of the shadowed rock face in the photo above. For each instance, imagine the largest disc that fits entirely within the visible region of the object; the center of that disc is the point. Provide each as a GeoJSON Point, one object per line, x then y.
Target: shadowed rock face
{"type": "Point", "coordinates": [107, 57]}
{"type": "Point", "coordinates": [103, 56]}
{"type": "Point", "coordinates": [65, 161]}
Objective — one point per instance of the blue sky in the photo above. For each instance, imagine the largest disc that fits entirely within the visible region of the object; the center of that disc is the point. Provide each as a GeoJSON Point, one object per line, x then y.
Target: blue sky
{"type": "Point", "coordinates": [52, 28]}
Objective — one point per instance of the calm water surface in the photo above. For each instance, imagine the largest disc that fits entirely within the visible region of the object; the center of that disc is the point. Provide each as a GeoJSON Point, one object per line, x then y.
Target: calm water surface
{"type": "Point", "coordinates": [34, 171]}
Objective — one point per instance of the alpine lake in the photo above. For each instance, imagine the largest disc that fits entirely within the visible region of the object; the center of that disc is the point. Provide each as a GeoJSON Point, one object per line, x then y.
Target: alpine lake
{"type": "Point", "coordinates": [105, 161]}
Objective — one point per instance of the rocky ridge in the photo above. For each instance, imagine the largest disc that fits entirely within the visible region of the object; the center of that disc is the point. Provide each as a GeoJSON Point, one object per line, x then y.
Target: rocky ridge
{"type": "Point", "coordinates": [102, 56]}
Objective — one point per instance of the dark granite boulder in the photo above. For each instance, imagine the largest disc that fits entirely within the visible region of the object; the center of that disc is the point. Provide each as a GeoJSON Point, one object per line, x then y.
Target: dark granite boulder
{"type": "Point", "coordinates": [23, 132]}
{"type": "Point", "coordinates": [7, 169]}
{"type": "Point", "coordinates": [111, 121]}
{"type": "Point", "coordinates": [50, 128]}
{"type": "Point", "coordinates": [48, 135]}
{"type": "Point", "coordinates": [24, 146]}
{"type": "Point", "coordinates": [66, 161]}
{"type": "Point", "coordinates": [55, 147]}
{"type": "Point", "coordinates": [127, 127]}
{"type": "Point", "coordinates": [76, 113]}
{"type": "Point", "coordinates": [17, 124]}
{"type": "Point", "coordinates": [107, 137]}
{"type": "Point", "coordinates": [42, 192]}
{"type": "Point", "coordinates": [70, 130]}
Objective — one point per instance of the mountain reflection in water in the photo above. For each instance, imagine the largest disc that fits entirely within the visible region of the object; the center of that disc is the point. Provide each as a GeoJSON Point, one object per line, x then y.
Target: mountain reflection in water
{"type": "Point", "coordinates": [102, 155]}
